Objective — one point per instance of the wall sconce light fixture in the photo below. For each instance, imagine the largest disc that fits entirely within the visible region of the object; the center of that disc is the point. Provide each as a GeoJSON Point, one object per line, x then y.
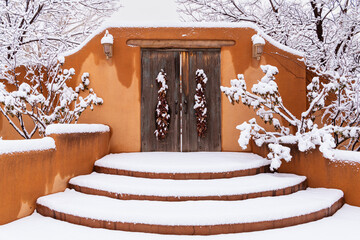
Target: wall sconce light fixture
{"type": "Point", "coordinates": [258, 46]}
{"type": "Point", "coordinates": [107, 41]}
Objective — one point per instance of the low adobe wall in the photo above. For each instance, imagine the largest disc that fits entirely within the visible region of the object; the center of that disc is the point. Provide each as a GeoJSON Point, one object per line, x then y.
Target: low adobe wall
{"type": "Point", "coordinates": [322, 172]}
{"type": "Point", "coordinates": [25, 176]}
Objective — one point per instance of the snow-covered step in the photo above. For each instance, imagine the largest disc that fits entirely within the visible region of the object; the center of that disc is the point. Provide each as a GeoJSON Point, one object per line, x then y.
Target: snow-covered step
{"type": "Point", "coordinates": [238, 188]}
{"type": "Point", "coordinates": [194, 165]}
{"type": "Point", "coordinates": [191, 217]}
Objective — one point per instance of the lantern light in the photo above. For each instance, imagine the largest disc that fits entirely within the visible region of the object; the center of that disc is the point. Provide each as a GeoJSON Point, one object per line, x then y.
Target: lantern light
{"type": "Point", "coordinates": [107, 41]}
{"type": "Point", "coordinates": [258, 46]}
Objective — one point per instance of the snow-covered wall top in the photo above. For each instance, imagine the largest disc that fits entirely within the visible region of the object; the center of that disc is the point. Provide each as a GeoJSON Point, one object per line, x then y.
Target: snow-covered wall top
{"type": "Point", "coordinates": [347, 156]}
{"type": "Point", "coordinates": [75, 128]}
{"type": "Point", "coordinates": [13, 146]}
{"type": "Point", "coordinates": [148, 24]}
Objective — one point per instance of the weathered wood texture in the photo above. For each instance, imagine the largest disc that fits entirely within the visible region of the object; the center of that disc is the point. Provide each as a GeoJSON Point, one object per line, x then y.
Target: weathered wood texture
{"type": "Point", "coordinates": [175, 43]}
{"type": "Point", "coordinates": [191, 60]}
{"type": "Point", "coordinates": [152, 63]}
{"type": "Point", "coordinates": [209, 61]}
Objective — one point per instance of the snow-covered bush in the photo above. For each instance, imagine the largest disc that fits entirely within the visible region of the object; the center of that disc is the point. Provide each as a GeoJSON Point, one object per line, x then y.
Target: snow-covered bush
{"type": "Point", "coordinates": [200, 107]}
{"type": "Point", "coordinates": [265, 99]}
{"type": "Point", "coordinates": [46, 100]}
{"type": "Point", "coordinates": [32, 81]}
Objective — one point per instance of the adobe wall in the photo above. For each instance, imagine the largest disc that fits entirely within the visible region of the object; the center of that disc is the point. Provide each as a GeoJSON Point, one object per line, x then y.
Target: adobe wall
{"type": "Point", "coordinates": [322, 172]}
{"type": "Point", "coordinates": [118, 80]}
{"type": "Point", "coordinates": [26, 176]}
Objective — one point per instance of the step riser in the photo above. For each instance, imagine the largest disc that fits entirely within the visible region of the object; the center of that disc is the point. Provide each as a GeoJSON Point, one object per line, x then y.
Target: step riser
{"type": "Point", "coordinates": [183, 176]}
{"type": "Point", "coordinates": [191, 230]}
{"type": "Point", "coordinates": [285, 191]}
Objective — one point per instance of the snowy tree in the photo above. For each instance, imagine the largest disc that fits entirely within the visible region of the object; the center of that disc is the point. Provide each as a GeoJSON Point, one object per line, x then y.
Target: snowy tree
{"type": "Point", "coordinates": [327, 31]}
{"type": "Point", "coordinates": [33, 35]}
{"type": "Point", "coordinates": [46, 103]}
{"type": "Point", "coordinates": [265, 99]}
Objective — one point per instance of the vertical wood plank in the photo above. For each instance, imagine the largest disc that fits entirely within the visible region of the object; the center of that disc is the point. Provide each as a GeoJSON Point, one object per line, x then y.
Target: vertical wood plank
{"type": "Point", "coordinates": [152, 62]}
{"type": "Point", "coordinates": [209, 61]}
{"type": "Point", "coordinates": [185, 97]}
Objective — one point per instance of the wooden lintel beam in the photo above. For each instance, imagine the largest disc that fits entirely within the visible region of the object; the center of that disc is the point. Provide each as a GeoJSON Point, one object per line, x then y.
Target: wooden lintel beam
{"type": "Point", "coordinates": [160, 43]}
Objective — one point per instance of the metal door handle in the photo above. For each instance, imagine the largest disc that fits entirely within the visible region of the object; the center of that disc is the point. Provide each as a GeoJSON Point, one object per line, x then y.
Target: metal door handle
{"type": "Point", "coordinates": [185, 106]}
{"type": "Point", "coordinates": [176, 107]}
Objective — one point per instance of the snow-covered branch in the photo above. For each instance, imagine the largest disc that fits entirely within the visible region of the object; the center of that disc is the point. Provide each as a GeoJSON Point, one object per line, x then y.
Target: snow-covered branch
{"type": "Point", "coordinates": [33, 84]}
{"type": "Point", "coordinates": [267, 103]}
{"type": "Point", "coordinates": [48, 102]}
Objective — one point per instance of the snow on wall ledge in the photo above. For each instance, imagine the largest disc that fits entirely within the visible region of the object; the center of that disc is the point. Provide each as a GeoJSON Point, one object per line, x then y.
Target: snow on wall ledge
{"type": "Point", "coordinates": [76, 128]}
{"type": "Point", "coordinates": [346, 156]}
{"type": "Point", "coordinates": [117, 24]}
{"type": "Point", "coordinates": [14, 146]}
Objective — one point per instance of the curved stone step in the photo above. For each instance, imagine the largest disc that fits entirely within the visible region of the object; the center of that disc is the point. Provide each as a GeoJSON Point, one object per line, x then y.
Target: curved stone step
{"type": "Point", "coordinates": [194, 165]}
{"type": "Point", "coordinates": [239, 188]}
{"type": "Point", "coordinates": [191, 217]}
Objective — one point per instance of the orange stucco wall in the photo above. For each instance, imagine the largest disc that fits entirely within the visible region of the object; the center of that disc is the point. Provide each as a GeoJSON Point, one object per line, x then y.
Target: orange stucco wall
{"type": "Point", "coordinates": [322, 172]}
{"type": "Point", "coordinates": [26, 176]}
{"type": "Point", "coordinates": [118, 80]}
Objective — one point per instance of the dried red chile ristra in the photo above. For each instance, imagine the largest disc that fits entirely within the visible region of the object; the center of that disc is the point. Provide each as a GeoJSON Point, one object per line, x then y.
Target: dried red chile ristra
{"type": "Point", "coordinates": [200, 107]}
{"type": "Point", "coordinates": [162, 112]}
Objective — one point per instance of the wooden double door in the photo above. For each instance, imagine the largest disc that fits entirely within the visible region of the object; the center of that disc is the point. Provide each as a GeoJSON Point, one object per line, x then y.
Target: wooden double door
{"type": "Point", "coordinates": [180, 67]}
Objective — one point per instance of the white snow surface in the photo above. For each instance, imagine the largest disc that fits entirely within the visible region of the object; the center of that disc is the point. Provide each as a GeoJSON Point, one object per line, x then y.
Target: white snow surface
{"type": "Point", "coordinates": [256, 39]}
{"type": "Point", "coordinates": [75, 128]}
{"type": "Point", "coordinates": [178, 188]}
{"type": "Point", "coordinates": [347, 156]}
{"type": "Point", "coordinates": [107, 38]}
{"type": "Point", "coordinates": [26, 145]}
{"type": "Point", "coordinates": [194, 213]}
{"type": "Point", "coordinates": [174, 162]}
{"type": "Point", "coordinates": [344, 224]}
{"type": "Point", "coordinates": [288, 139]}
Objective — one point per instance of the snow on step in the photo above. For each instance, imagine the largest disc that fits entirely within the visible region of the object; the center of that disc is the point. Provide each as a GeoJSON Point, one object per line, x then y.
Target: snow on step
{"type": "Point", "coordinates": [191, 213]}
{"type": "Point", "coordinates": [171, 162]}
{"type": "Point", "coordinates": [180, 188]}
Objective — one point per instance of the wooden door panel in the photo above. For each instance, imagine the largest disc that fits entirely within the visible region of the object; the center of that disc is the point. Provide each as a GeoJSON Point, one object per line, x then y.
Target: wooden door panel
{"type": "Point", "coordinates": [209, 61]}
{"type": "Point", "coordinates": [169, 60]}
{"type": "Point", "coordinates": [152, 63]}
